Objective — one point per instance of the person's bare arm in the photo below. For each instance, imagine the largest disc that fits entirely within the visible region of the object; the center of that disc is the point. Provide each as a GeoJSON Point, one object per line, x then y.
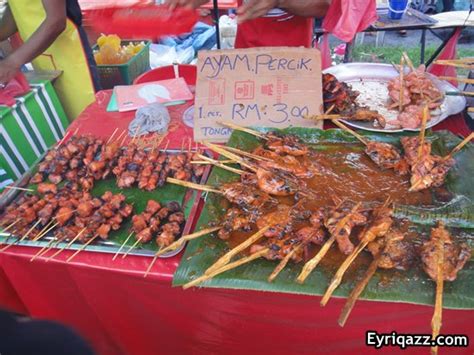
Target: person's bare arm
{"type": "Point", "coordinates": [52, 26]}
{"type": "Point", "coordinates": [307, 8]}
{"type": "Point", "coordinates": [7, 24]}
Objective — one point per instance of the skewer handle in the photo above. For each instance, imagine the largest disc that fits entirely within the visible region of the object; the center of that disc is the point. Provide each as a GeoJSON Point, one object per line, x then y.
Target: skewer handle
{"type": "Point", "coordinates": [227, 267]}
{"type": "Point", "coordinates": [459, 146]}
{"type": "Point", "coordinates": [347, 129]}
{"type": "Point", "coordinates": [192, 185]}
{"type": "Point", "coordinates": [242, 246]}
{"type": "Point", "coordinates": [243, 129]}
{"type": "Point", "coordinates": [356, 292]}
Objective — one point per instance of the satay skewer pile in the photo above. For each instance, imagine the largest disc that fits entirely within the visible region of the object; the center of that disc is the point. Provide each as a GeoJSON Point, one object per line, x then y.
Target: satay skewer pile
{"type": "Point", "coordinates": [84, 160]}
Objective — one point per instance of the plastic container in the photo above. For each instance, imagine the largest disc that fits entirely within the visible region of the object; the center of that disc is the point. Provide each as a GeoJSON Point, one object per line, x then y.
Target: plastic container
{"type": "Point", "coordinates": [396, 9]}
{"type": "Point", "coordinates": [124, 74]}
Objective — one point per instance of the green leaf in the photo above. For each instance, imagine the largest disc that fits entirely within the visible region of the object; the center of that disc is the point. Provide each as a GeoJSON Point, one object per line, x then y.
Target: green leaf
{"type": "Point", "coordinates": [413, 286]}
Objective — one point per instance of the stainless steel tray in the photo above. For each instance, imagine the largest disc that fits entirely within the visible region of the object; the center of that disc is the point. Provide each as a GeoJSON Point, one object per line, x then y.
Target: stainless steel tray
{"type": "Point", "coordinates": [191, 200]}
{"type": "Point", "coordinates": [375, 74]}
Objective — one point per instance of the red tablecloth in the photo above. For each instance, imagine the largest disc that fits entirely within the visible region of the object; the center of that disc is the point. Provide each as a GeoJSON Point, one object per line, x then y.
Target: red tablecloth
{"type": "Point", "coordinates": [119, 311]}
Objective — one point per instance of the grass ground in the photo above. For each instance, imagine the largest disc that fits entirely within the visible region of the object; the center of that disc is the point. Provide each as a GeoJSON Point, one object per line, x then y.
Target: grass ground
{"type": "Point", "coordinates": [369, 53]}
{"type": "Point", "coordinates": [366, 53]}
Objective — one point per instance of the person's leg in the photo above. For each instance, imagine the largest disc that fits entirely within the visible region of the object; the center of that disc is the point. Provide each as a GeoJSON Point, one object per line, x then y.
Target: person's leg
{"type": "Point", "coordinates": [90, 58]}
{"type": "Point", "coordinates": [448, 5]}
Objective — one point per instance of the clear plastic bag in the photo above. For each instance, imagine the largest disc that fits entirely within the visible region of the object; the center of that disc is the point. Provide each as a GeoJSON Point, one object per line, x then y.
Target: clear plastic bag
{"type": "Point", "coordinates": [148, 119]}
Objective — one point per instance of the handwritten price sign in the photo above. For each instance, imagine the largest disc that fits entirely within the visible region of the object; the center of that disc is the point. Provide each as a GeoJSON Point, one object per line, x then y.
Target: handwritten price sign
{"type": "Point", "coordinates": [274, 87]}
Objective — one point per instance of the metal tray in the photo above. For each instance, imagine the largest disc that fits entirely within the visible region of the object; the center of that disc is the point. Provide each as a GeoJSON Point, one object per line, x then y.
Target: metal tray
{"type": "Point", "coordinates": [368, 73]}
{"type": "Point", "coordinates": [191, 198]}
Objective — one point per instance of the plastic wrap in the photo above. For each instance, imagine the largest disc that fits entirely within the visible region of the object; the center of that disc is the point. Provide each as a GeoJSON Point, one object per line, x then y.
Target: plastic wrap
{"type": "Point", "coordinates": [16, 87]}
{"type": "Point", "coordinates": [347, 17]}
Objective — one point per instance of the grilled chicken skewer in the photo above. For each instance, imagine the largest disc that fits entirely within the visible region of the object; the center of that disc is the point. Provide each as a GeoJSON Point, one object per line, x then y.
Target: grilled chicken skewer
{"type": "Point", "coordinates": [378, 227]}
{"type": "Point", "coordinates": [442, 258]}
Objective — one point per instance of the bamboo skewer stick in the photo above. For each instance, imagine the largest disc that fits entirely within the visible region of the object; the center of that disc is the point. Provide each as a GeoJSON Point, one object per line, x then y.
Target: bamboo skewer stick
{"type": "Point", "coordinates": [112, 136]}
{"type": "Point", "coordinates": [186, 238]}
{"type": "Point", "coordinates": [459, 80]}
{"type": "Point", "coordinates": [284, 262]}
{"type": "Point", "coordinates": [246, 154]}
{"type": "Point", "coordinates": [437, 315]}
{"type": "Point", "coordinates": [43, 250]}
{"type": "Point", "coordinates": [81, 248]}
{"type": "Point", "coordinates": [131, 248]}
{"type": "Point", "coordinates": [400, 97]}
{"type": "Point", "coordinates": [311, 264]}
{"type": "Point", "coordinates": [52, 244]}
{"type": "Point", "coordinates": [459, 146]}
{"type": "Point", "coordinates": [457, 65]}
{"type": "Point", "coordinates": [220, 165]}
{"type": "Point", "coordinates": [193, 185]}
{"type": "Point", "coordinates": [11, 225]}
{"type": "Point", "coordinates": [229, 155]}
{"type": "Point", "coordinates": [22, 238]}
{"type": "Point", "coordinates": [367, 237]}
{"type": "Point", "coordinates": [243, 129]}
{"type": "Point", "coordinates": [19, 188]}
{"type": "Point", "coordinates": [155, 258]}
{"type": "Point", "coordinates": [459, 60]}
{"type": "Point", "coordinates": [121, 135]}
{"type": "Point", "coordinates": [408, 61]}
{"type": "Point", "coordinates": [122, 246]}
{"type": "Point", "coordinates": [44, 232]}
{"type": "Point", "coordinates": [227, 267]}
{"type": "Point", "coordinates": [67, 245]}
{"type": "Point", "coordinates": [205, 162]}
{"type": "Point", "coordinates": [225, 259]}
{"type": "Point", "coordinates": [356, 292]}
{"type": "Point", "coordinates": [326, 117]}
{"type": "Point", "coordinates": [422, 132]}
{"type": "Point", "coordinates": [136, 134]}
{"type": "Point", "coordinates": [347, 129]}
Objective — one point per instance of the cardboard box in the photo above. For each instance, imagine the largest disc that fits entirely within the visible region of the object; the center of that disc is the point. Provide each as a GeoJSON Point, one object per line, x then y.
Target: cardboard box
{"type": "Point", "coordinates": [272, 87]}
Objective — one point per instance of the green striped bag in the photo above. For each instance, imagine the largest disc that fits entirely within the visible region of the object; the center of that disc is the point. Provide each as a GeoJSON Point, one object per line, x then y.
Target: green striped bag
{"type": "Point", "coordinates": [35, 123]}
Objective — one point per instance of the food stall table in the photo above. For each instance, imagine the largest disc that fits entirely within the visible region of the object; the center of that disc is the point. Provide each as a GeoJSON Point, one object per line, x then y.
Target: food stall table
{"type": "Point", "coordinates": [119, 311]}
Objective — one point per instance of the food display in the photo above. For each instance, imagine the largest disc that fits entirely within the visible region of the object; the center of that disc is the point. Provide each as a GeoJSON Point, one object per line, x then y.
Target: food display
{"type": "Point", "coordinates": [384, 98]}
{"type": "Point", "coordinates": [315, 211]}
{"type": "Point", "coordinates": [88, 191]}
{"type": "Point", "coordinates": [84, 160]}
{"type": "Point", "coordinates": [111, 51]}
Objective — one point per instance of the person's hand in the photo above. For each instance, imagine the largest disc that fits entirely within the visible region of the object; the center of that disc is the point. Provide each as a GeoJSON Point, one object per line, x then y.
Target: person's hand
{"type": "Point", "coordinates": [8, 70]}
{"type": "Point", "coordinates": [190, 4]}
{"type": "Point", "coordinates": [254, 9]}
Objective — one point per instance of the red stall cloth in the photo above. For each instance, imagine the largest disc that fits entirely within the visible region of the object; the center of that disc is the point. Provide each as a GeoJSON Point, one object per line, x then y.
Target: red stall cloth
{"type": "Point", "coordinates": [95, 120]}
{"type": "Point", "coordinates": [449, 52]}
{"type": "Point", "coordinates": [120, 312]}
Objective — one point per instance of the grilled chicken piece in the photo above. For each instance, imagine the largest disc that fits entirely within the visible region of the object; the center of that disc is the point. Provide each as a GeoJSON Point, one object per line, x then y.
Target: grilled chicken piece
{"type": "Point", "coordinates": [285, 144]}
{"type": "Point", "coordinates": [456, 254]}
{"type": "Point", "coordinates": [247, 197]}
{"type": "Point", "coordinates": [395, 252]}
{"type": "Point", "coordinates": [45, 188]}
{"type": "Point", "coordinates": [340, 223]}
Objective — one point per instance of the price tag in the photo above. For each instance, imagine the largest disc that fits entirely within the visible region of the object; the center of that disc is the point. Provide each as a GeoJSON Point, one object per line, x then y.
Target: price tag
{"type": "Point", "coordinates": [272, 87]}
